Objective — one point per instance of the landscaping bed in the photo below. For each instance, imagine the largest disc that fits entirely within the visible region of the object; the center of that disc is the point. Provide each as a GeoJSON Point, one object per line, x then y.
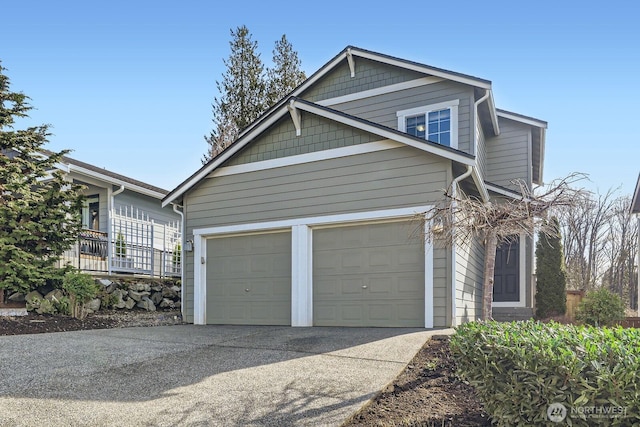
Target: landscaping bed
{"type": "Point", "coordinates": [34, 323]}
{"type": "Point", "coordinates": [426, 393]}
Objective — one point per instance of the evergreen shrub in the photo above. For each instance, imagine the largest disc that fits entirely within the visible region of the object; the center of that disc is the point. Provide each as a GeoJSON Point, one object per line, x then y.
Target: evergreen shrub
{"type": "Point", "coordinates": [519, 369]}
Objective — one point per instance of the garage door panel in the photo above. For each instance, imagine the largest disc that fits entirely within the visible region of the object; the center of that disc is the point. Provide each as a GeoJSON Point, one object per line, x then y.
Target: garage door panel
{"type": "Point", "coordinates": [249, 279]}
{"type": "Point", "coordinates": [368, 275]}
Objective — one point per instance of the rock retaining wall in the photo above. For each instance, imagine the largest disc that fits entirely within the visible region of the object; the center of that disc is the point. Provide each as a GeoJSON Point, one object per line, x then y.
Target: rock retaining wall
{"type": "Point", "coordinates": [114, 293]}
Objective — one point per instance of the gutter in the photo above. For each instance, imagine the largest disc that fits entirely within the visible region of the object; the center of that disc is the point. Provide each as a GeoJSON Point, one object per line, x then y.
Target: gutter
{"type": "Point", "coordinates": [182, 258]}
{"type": "Point", "coordinates": [454, 189]}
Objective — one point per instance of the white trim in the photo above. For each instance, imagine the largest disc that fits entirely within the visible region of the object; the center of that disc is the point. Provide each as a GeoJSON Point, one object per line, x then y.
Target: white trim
{"type": "Point", "coordinates": [349, 121]}
{"type": "Point", "coordinates": [504, 192]}
{"type": "Point", "coordinates": [526, 120]}
{"type": "Point", "coordinates": [410, 84]}
{"type": "Point", "coordinates": [422, 69]}
{"type": "Point", "coordinates": [301, 276]}
{"type": "Point", "coordinates": [428, 279]}
{"type": "Point", "coordinates": [133, 187]}
{"type": "Point", "coordinates": [302, 257]}
{"type": "Point", "coordinates": [334, 153]}
{"type": "Point", "coordinates": [199, 281]}
{"type": "Point", "coordinates": [452, 105]}
{"type": "Point", "coordinates": [312, 221]}
{"type": "Point", "coordinates": [522, 277]}
{"type": "Point", "coordinates": [322, 112]}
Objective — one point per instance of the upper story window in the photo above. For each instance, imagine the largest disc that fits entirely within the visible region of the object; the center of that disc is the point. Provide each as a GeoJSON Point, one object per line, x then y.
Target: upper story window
{"type": "Point", "coordinates": [437, 122]}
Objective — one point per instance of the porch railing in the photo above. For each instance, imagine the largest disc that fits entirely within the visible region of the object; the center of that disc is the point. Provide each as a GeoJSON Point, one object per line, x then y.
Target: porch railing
{"type": "Point", "coordinates": [138, 245]}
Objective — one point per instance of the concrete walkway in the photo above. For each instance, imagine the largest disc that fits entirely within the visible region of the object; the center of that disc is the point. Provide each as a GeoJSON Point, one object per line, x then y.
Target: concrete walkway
{"type": "Point", "coordinates": [198, 375]}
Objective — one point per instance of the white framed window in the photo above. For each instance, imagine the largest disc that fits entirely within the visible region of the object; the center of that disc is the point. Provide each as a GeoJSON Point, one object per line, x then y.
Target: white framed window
{"type": "Point", "coordinates": [436, 122]}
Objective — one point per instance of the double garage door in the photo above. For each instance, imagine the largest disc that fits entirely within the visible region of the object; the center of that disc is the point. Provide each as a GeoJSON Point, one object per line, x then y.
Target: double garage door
{"type": "Point", "coordinates": [362, 275]}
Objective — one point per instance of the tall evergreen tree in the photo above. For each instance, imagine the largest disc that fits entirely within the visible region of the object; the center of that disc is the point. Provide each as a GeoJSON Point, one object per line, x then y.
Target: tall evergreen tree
{"type": "Point", "coordinates": [551, 295]}
{"type": "Point", "coordinates": [39, 209]}
{"type": "Point", "coordinates": [242, 92]}
{"type": "Point", "coordinates": [286, 74]}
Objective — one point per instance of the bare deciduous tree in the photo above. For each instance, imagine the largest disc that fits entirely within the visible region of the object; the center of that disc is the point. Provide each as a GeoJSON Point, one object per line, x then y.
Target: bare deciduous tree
{"type": "Point", "coordinates": [461, 219]}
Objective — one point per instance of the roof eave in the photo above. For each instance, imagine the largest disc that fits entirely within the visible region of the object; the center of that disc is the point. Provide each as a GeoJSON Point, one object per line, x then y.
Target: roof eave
{"type": "Point", "coordinates": [635, 202]}
{"type": "Point", "coordinates": [114, 181]}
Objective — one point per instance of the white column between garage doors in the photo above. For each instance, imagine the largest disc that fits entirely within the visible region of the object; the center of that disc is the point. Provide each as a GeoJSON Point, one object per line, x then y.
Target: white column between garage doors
{"type": "Point", "coordinates": [301, 265]}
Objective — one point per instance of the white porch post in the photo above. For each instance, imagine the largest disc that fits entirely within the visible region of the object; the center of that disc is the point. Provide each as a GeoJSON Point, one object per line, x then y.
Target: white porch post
{"type": "Point", "coordinates": [301, 276]}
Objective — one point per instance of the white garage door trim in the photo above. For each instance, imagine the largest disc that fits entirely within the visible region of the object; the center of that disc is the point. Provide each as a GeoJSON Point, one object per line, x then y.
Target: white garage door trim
{"type": "Point", "coordinates": [301, 258]}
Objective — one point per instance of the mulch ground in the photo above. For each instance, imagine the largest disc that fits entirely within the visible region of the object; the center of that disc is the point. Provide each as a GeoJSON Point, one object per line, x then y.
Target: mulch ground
{"type": "Point", "coordinates": [426, 393]}
{"type": "Point", "coordinates": [41, 323]}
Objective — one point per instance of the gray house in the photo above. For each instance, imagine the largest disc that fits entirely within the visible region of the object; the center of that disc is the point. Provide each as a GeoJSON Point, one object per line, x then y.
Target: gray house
{"type": "Point", "coordinates": [314, 216]}
{"type": "Point", "coordinates": [125, 227]}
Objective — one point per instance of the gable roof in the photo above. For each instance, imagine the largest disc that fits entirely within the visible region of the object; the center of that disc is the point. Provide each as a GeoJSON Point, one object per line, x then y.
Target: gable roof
{"type": "Point", "coordinates": [69, 164]}
{"type": "Point", "coordinates": [538, 140]}
{"type": "Point", "coordinates": [338, 116]}
{"type": "Point", "coordinates": [390, 60]}
{"type": "Point", "coordinates": [635, 202]}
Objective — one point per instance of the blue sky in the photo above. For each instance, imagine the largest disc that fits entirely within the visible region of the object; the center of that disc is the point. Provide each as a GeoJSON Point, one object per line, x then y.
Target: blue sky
{"type": "Point", "coordinates": [128, 85]}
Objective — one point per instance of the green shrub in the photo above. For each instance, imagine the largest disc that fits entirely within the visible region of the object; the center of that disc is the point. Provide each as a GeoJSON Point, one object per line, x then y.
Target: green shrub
{"type": "Point", "coordinates": [121, 246]}
{"type": "Point", "coordinates": [519, 369]}
{"type": "Point", "coordinates": [107, 301]}
{"type": "Point", "coordinates": [81, 288]}
{"type": "Point", "coordinates": [600, 308]}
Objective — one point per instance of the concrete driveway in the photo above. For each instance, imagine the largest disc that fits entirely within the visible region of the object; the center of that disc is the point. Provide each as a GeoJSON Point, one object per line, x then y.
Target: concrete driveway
{"type": "Point", "coordinates": [198, 375]}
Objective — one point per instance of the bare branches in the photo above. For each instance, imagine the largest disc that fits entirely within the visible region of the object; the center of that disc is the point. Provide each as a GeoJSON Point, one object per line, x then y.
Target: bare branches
{"type": "Point", "coordinates": [461, 218]}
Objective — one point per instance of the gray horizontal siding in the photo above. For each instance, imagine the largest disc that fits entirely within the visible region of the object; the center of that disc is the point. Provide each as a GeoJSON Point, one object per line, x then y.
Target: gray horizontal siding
{"type": "Point", "coordinates": [508, 154]}
{"type": "Point", "coordinates": [382, 109]}
{"type": "Point", "coordinates": [149, 205]}
{"type": "Point", "coordinates": [469, 282]}
{"type": "Point", "coordinates": [386, 179]}
{"type": "Point", "coordinates": [317, 134]}
{"type": "Point", "coordinates": [379, 180]}
{"type": "Point", "coordinates": [369, 75]}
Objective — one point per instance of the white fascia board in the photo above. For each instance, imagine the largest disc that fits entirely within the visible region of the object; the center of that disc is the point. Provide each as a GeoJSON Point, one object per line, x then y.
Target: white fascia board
{"type": "Point", "coordinates": [424, 146]}
{"type": "Point", "coordinates": [503, 191]}
{"type": "Point", "coordinates": [543, 138]}
{"type": "Point", "coordinates": [494, 114]}
{"type": "Point", "coordinates": [284, 224]}
{"type": "Point", "coordinates": [225, 156]}
{"type": "Point", "coordinates": [334, 153]}
{"type": "Point", "coordinates": [477, 178]}
{"type": "Point", "coordinates": [93, 174]}
{"type": "Point", "coordinates": [526, 120]}
{"type": "Point", "coordinates": [380, 91]}
{"type": "Point", "coordinates": [422, 69]}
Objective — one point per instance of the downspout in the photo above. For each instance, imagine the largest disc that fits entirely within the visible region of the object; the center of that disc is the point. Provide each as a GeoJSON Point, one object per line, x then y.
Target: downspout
{"type": "Point", "coordinates": [182, 257]}
{"type": "Point", "coordinates": [475, 118]}
{"type": "Point", "coordinates": [110, 227]}
{"type": "Point", "coordinates": [454, 191]}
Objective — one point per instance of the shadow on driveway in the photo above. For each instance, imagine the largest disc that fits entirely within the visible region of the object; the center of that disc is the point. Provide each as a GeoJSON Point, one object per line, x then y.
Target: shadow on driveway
{"type": "Point", "coordinates": [195, 375]}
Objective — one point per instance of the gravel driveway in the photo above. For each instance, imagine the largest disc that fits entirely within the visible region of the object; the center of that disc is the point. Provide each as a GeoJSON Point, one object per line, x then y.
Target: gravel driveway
{"type": "Point", "coordinates": [198, 375]}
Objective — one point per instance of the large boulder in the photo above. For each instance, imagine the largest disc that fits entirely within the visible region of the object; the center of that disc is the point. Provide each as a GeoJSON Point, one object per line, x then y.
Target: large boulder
{"type": "Point", "coordinates": [129, 303]}
{"type": "Point", "coordinates": [170, 293]}
{"type": "Point", "coordinates": [140, 287]}
{"type": "Point", "coordinates": [33, 296]}
{"type": "Point", "coordinates": [167, 303]}
{"type": "Point", "coordinates": [146, 304]}
{"type": "Point", "coordinates": [137, 296]}
{"type": "Point", "coordinates": [119, 300]}
{"type": "Point", "coordinates": [17, 297]}
{"type": "Point", "coordinates": [156, 297]}
{"type": "Point", "coordinates": [107, 285]}
{"type": "Point", "coordinates": [54, 296]}
{"type": "Point", "coordinates": [94, 305]}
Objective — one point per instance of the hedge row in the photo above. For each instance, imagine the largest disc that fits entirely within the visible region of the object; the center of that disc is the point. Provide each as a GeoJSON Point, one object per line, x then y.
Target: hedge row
{"type": "Point", "coordinates": [532, 373]}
